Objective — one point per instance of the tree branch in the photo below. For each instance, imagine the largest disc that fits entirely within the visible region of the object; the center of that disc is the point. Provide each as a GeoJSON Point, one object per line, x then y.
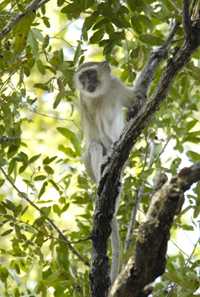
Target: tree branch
{"type": "Point", "coordinates": [146, 76]}
{"type": "Point", "coordinates": [150, 256]}
{"type": "Point", "coordinates": [109, 185]}
{"type": "Point", "coordinates": [32, 7]}
{"type": "Point", "coordinates": [50, 221]}
{"type": "Point", "coordinates": [187, 25]}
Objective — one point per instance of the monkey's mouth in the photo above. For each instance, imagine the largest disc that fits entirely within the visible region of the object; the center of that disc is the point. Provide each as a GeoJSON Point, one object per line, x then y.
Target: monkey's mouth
{"type": "Point", "coordinates": [91, 88]}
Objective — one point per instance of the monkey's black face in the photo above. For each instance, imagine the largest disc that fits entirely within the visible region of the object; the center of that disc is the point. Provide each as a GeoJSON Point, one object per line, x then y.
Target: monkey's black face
{"type": "Point", "coordinates": [89, 80]}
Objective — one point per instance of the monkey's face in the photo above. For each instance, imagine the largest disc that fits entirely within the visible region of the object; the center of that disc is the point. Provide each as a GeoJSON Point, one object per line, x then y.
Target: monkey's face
{"type": "Point", "coordinates": [93, 79]}
{"type": "Point", "coordinates": [89, 80]}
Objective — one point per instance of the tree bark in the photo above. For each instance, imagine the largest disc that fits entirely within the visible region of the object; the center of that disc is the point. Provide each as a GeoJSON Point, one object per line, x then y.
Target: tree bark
{"type": "Point", "coordinates": [151, 245]}
{"type": "Point", "coordinates": [110, 182]}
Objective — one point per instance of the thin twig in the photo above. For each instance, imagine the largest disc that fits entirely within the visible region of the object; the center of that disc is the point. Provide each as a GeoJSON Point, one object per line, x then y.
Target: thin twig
{"type": "Point", "coordinates": [32, 7]}
{"type": "Point", "coordinates": [48, 236]}
{"type": "Point", "coordinates": [178, 247]}
{"type": "Point", "coordinates": [139, 195]}
{"type": "Point", "coordinates": [133, 213]}
{"type": "Point", "coordinates": [48, 115]}
{"type": "Point", "coordinates": [50, 221]}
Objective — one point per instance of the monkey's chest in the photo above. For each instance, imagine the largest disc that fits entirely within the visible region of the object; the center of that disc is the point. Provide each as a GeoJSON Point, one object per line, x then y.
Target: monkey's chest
{"type": "Point", "coordinates": [109, 122]}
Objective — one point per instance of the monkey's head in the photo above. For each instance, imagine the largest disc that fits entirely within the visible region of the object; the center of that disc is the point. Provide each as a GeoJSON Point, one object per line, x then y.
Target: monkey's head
{"type": "Point", "coordinates": [93, 79]}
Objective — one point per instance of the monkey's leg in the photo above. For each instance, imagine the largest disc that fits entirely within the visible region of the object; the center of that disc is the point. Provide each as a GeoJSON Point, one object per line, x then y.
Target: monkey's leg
{"type": "Point", "coordinates": [96, 159]}
{"type": "Point", "coordinates": [116, 250]}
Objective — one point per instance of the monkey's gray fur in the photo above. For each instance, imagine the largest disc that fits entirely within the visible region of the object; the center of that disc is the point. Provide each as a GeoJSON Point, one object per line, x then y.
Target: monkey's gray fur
{"type": "Point", "coordinates": [102, 98]}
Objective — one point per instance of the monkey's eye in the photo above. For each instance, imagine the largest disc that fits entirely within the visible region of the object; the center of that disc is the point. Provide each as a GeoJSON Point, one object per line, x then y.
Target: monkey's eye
{"type": "Point", "coordinates": [92, 74]}
{"type": "Point", "coordinates": [88, 74]}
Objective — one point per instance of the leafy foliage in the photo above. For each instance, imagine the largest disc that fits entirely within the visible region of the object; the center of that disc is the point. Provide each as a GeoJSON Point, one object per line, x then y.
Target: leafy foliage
{"type": "Point", "coordinates": [40, 140]}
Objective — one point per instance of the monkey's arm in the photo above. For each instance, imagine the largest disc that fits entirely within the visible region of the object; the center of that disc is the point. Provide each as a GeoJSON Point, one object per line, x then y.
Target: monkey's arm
{"type": "Point", "coordinates": [125, 94]}
{"type": "Point", "coordinates": [128, 96]}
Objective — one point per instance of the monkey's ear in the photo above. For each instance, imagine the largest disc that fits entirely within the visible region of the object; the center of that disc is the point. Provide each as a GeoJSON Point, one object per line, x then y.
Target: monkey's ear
{"type": "Point", "coordinates": [105, 66]}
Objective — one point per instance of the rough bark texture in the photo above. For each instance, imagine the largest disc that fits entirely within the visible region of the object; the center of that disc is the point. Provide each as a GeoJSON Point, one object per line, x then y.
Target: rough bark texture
{"type": "Point", "coordinates": [151, 245]}
{"type": "Point", "coordinates": [109, 188]}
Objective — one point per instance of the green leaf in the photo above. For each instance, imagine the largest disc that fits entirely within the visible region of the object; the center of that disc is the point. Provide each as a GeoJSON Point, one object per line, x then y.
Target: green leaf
{"type": "Point", "coordinates": [10, 205]}
{"type": "Point", "coordinates": [65, 207]}
{"type": "Point", "coordinates": [43, 189]}
{"type": "Point", "coordinates": [67, 150]}
{"type": "Point", "coordinates": [78, 52]}
{"type": "Point", "coordinates": [136, 24]}
{"type": "Point", "coordinates": [3, 4]}
{"type": "Point", "coordinates": [40, 177]}
{"type": "Point", "coordinates": [3, 274]}
{"type": "Point", "coordinates": [21, 31]}
{"type": "Point", "coordinates": [197, 210]}
{"type": "Point", "coordinates": [71, 137]}
{"type": "Point", "coordinates": [13, 149]}
{"type": "Point", "coordinates": [72, 10]}
{"type": "Point", "coordinates": [58, 58]}
{"type": "Point", "coordinates": [34, 158]}
{"type": "Point", "coordinates": [48, 160]}
{"type": "Point", "coordinates": [46, 22]}
{"type": "Point", "coordinates": [57, 209]}
{"type": "Point", "coordinates": [46, 210]}
{"type": "Point", "coordinates": [45, 42]}
{"type": "Point", "coordinates": [2, 182]}
{"type": "Point", "coordinates": [54, 185]}
{"type": "Point", "coordinates": [88, 23]}
{"type": "Point", "coordinates": [193, 137]}
{"type": "Point", "coordinates": [43, 86]}
{"type": "Point", "coordinates": [191, 124]}
{"type": "Point", "coordinates": [41, 67]}
{"type": "Point", "coordinates": [60, 2]}
{"type": "Point", "coordinates": [151, 39]}
{"type": "Point", "coordinates": [22, 168]}
{"type": "Point", "coordinates": [12, 166]}
{"type": "Point", "coordinates": [97, 36]}
{"type": "Point", "coordinates": [187, 227]}
{"type": "Point", "coordinates": [33, 43]}
{"type": "Point", "coordinates": [194, 156]}
{"type": "Point", "coordinates": [48, 169]}
{"type": "Point", "coordinates": [58, 99]}
{"type": "Point", "coordinates": [6, 232]}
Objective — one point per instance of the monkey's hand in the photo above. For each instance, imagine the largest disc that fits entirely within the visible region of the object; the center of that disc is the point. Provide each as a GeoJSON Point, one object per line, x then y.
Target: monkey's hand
{"type": "Point", "coordinates": [140, 98]}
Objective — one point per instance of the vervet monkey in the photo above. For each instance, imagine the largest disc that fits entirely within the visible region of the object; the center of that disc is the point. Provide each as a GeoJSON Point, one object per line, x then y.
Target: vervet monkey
{"type": "Point", "coordinates": [102, 98]}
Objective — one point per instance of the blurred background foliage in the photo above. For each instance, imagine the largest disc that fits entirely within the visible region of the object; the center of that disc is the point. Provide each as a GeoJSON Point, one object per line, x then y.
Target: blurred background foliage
{"type": "Point", "coordinates": [40, 141]}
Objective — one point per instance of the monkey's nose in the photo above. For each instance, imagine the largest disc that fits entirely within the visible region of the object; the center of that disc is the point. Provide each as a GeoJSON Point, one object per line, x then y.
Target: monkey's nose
{"type": "Point", "coordinates": [91, 88]}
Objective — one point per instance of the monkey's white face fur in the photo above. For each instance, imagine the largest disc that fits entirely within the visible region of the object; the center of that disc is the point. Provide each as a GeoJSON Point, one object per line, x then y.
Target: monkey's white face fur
{"type": "Point", "coordinates": [92, 79]}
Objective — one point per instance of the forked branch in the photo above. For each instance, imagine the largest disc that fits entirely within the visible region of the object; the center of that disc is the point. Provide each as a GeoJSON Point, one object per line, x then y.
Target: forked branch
{"type": "Point", "coordinates": [109, 184]}
{"type": "Point", "coordinates": [150, 254]}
